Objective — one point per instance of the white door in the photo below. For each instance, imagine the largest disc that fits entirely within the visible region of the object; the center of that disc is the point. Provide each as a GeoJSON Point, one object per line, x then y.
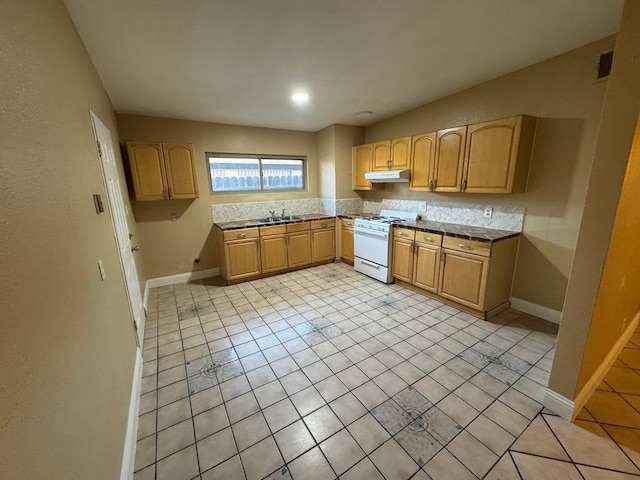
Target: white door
{"type": "Point", "coordinates": [119, 214]}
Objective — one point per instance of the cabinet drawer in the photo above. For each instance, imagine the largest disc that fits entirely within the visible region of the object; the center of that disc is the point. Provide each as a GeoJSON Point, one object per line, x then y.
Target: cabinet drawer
{"type": "Point", "coordinates": [469, 246]}
{"type": "Point", "coordinates": [429, 238]}
{"type": "Point", "coordinates": [273, 230]}
{"type": "Point", "coordinates": [240, 234]}
{"type": "Point", "coordinates": [405, 233]}
{"type": "Point", "coordinates": [347, 223]}
{"type": "Point", "coordinates": [298, 227]}
{"type": "Point", "coordinates": [318, 224]}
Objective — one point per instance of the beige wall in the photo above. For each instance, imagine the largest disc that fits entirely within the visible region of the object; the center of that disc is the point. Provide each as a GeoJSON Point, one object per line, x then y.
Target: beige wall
{"type": "Point", "coordinates": [618, 300]}
{"type": "Point", "coordinates": [67, 348]}
{"type": "Point", "coordinates": [611, 155]}
{"type": "Point", "coordinates": [562, 93]}
{"type": "Point", "coordinates": [345, 137]}
{"type": "Point", "coordinates": [171, 247]}
{"type": "Point", "coordinates": [326, 162]}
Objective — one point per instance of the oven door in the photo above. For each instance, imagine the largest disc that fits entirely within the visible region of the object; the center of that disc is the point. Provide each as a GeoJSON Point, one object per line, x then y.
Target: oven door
{"type": "Point", "coordinates": [371, 245]}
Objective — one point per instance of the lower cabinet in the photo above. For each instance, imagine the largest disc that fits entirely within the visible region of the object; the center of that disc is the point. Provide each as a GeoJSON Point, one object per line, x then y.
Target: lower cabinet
{"type": "Point", "coordinates": [259, 251]}
{"type": "Point", "coordinates": [323, 240]}
{"type": "Point", "coordinates": [299, 248]}
{"type": "Point", "coordinates": [471, 273]}
{"type": "Point", "coordinates": [241, 253]}
{"type": "Point", "coordinates": [346, 240]}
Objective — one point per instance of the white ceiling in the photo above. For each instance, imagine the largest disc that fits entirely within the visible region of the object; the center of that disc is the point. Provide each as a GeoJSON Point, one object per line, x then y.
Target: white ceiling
{"type": "Point", "coordinates": [237, 61]}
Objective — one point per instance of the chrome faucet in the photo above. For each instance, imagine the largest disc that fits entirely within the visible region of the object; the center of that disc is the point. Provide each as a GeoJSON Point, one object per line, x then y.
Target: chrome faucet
{"type": "Point", "coordinates": [282, 213]}
{"type": "Point", "coordinates": [273, 214]}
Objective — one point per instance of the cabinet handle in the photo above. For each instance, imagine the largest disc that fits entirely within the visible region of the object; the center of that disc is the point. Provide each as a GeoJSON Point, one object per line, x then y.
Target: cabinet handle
{"type": "Point", "coordinates": [324, 225]}
{"type": "Point", "coordinates": [435, 183]}
{"type": "Point", "coordinates": [242, 235]}
{"type": "Point", "coordinates": [403, 235]}
{"type": "Point", "coordinates": [465, 247]}
{"type": "Point", "coordinates": [463, 187]}
{"type": "Point", "coordinates": [428, 239]}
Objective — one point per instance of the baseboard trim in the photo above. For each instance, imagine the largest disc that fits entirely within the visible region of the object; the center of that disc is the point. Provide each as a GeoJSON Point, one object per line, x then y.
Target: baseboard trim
{"type": "Point", "coordinates": [559, 404]}
{"type": "Point", "coordinates": [585, 394]}
{"type": "Point", "coordinates": [129, 454]}
{"type": "Point", "coordinates": [181, 278]}
{"type": "Point", "coordinates": [540, 311]}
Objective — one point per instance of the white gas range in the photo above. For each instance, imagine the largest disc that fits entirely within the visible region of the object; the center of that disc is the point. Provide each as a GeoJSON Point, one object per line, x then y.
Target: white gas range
{"type": "Point", "coordinates": [372, 243]}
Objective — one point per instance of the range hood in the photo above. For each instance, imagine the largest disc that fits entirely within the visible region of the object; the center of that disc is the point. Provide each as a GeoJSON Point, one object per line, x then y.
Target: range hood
{"type": "Point", "coordinates": [389, 176]}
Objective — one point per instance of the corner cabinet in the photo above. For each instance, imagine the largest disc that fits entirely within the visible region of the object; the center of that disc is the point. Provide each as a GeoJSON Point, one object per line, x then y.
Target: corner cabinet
{"type": "Point", "coordinates": [362, 160]}
{"type": "Point", "coordinates": [162, 171]}
{"type": "Point", "coordinates": [473, 275]}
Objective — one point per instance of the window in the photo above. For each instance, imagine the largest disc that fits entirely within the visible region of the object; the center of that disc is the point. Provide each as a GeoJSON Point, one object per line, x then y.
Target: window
{"type": "Point", "coordinates": [240, 173]}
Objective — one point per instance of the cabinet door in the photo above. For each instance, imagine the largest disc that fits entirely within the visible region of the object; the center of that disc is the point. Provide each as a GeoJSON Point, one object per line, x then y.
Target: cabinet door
{"type": "Point", "coordinates": [402, 260]}
{"type": "Point", "coordinates": [273, 253]}
{"type": "Point", "coordinates": [147, 171]}
{"type": "Point", "coordinates": [491, 155]}
{"type": "Point", "coordinates": [464, 278]}
{"type": "Point", "coordinates": [323, 245]}
{"type": "Point", "coordinates": [299, 249]}
{"type": "Point", "coordinates": [180, 168]}
{"type": "Point", "coordinates": [426, 267]}
{"type": "Point", "coordinates": [400, 153]}
{"type": "Point", "coordinates": [362, 161]}
{"type": "Point", "coordinates": [346, 243]}
{"type": "Point", "coordinates": [449, 159]}
{"type": "Point", "coordinates": [242, 258]}
{"type": "Point", "coordinates": [382, 155]}
{"type": "Point", "coordinates": [423, 156]}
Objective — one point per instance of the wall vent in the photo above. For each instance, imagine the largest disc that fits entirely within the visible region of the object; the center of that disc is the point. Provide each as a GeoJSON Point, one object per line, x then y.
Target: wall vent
{"type": "Point", "coordinates": [604, 64]}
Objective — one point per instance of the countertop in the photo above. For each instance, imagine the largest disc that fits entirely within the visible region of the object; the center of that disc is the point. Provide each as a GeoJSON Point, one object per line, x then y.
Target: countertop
{"type": "Point", "coordinates": [448, 229]}
{"type": "Point", "coordinates": [460, 231]}
{"type": "Point", "coordinates": [256, 223]}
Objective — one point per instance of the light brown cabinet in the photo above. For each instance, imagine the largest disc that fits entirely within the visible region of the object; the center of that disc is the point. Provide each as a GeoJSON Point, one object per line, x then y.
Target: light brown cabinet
{"type": "Point", "coordinates": [392, 154]}
{"type": "Point", "coordinates": [241, 253]}
{"type": "Point", "coordinates": [162, 171]}
{"type": "Point", "coordinates": [298, 244]}
{"type": "Point", "coordinates": [346, 240]}
{"type": "Point", "coordinates": [423, 156]}
{"type": "Point", "coordinates": [449, 162]}
{"type": "Point", "coordinates": [473, 274]}
{"type": "Point", "coordinates": [323, 240]}
{"type": "Point", "coordinates": [497, 155]}
{"type": "Point", "coordinates": [362, 161]}
{"type": "Point", "coordinates": [254, 252]}
{"type": "Point", "coordinates": [381, 155]}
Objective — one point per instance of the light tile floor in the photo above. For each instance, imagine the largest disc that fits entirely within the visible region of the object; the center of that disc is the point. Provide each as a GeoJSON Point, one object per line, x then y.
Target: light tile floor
{"type": "Point", "coordinates": [325, 373]}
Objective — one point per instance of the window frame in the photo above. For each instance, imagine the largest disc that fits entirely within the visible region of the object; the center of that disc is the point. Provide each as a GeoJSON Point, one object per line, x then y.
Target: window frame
{"type": "Point", "coordinates": [260, 158]}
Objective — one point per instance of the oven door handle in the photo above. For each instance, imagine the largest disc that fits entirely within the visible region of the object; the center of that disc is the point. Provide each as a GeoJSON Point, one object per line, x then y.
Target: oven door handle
{"type": "Point", "coordinates": [370, 233]}
{"type": "Point", "coordinates": [370, 264]}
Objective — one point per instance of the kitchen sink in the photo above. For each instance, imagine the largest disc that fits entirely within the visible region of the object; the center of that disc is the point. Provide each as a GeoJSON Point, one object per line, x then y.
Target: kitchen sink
{"type": "Point", "coordinates": [287, 218]}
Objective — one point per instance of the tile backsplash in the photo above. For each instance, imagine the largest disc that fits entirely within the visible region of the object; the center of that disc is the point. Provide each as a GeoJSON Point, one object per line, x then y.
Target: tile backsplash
{"type": "Point", "coordinates": [503, 218]}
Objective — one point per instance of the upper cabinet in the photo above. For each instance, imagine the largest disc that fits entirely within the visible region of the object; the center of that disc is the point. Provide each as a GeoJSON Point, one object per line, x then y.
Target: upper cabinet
{"type": "Point", "coordinates": [423, 155]}
{"type": "Point", "coordinates": [497, 155]}
{"type": "Point", "coordinates": [400, 153]}
{"type": "Point", "coordinates": [162, 171]}
{"type": "Point", "coordinates": [449, 159]}
{"type": "Point", "coordinates": [381, 155]}
{"type": "Point", "coordinates": [488, 157]}
{"type": "Point", "coordinates": [362, 160]}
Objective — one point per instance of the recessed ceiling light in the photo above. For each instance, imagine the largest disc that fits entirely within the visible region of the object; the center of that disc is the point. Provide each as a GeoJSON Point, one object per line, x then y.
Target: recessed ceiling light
{"type": "Point", "coordinates": [300, 97]}
{"type": "Point", "coordinates": [362, 114]}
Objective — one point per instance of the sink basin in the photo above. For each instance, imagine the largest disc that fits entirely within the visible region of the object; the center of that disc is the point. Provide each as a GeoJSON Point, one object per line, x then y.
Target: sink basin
{"type": "Point", "coordinates": [279, 219]}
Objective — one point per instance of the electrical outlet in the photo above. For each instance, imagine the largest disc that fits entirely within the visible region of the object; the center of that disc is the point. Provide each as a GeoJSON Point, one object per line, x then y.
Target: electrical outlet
{"type": "Point", "coordinates": [488, 212]}
{"type": "Point", "coordinates": [423, 207]}
{"type": "Point", "coordinates": [174, 217]}
{"type": "Point", "coordinates": [103, 274]}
